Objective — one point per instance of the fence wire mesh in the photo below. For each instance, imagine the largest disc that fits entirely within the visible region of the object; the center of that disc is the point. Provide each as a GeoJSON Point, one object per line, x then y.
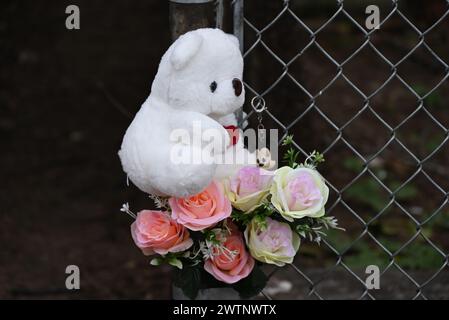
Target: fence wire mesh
{"type": "Point", "coordinates": [373, 101]}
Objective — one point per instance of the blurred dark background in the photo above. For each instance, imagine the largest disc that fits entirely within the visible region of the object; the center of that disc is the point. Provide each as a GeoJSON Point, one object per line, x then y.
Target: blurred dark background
{"type": "Point", "coordinates": [67, 97]}
{"type": "Point", "coordinates": [62, 184]}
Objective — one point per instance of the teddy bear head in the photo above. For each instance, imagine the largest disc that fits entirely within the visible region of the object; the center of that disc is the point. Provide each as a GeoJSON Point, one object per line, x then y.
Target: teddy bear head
{"type": "Point", "coordinates": [202, 72]}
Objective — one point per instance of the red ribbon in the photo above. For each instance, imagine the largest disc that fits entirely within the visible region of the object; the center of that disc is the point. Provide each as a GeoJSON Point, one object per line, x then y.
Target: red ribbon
{"type": "Point", "coordinates": [233, 133]}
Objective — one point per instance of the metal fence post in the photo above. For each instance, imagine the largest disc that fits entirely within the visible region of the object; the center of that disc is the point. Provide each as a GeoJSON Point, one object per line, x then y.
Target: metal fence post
{"type": "Point", "coordinates": [186, 15]}
{"type": "Point", "coordinates": [238, 21]}
{"type": "Point", "coordinates": [238, 28]}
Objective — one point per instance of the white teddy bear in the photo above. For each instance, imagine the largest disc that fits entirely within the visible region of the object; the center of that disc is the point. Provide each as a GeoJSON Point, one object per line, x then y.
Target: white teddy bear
{"type": "Point", "coordinates": [198, 84]}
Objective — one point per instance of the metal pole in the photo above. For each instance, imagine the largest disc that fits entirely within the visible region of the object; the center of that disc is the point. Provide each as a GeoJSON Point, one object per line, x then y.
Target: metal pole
{"type": "Point", "coordinates": [238, 32]}
{"type": "Point", "coordinates": [225, 13]}
{"type": "Point", "coordinates": [238, 21]}
{"type": "Point", "coordinates": [187, 15]}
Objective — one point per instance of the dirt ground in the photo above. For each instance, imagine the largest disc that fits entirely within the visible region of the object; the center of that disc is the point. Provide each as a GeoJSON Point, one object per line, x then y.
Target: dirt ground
{"type": "Point", "coordinates": [66, 98]}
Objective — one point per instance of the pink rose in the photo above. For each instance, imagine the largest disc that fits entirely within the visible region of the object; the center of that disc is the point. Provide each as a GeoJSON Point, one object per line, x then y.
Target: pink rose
{"type": "Point", "coordinates": [248, 188]}
{"type": "Point", "coordinates": [302, 192]}
{"type": "Point", "coordinates": [276, 244]}
{"type": "Point", "coordinates": [250, 180]}
{"type": "Point", "coordinates": [234, 263]}
{"type": "Point", "coordinates": [155, 232]}
{"type": "Point", "coordinates": [203, 210]}
{"type": "Point", "coordinates": [298, 193]}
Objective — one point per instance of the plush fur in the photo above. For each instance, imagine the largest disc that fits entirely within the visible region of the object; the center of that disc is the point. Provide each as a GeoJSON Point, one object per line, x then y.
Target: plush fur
{"type": "Point", "coordinates": [195, 82]}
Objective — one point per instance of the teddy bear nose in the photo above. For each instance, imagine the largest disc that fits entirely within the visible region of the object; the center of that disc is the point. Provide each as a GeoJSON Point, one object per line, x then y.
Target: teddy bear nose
{"type": "Point", "coordinates": [237, 85]}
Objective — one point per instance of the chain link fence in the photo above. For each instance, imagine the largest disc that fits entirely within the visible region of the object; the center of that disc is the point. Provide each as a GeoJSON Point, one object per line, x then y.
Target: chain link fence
{"type": "Point", "coordinates": [373, 102]}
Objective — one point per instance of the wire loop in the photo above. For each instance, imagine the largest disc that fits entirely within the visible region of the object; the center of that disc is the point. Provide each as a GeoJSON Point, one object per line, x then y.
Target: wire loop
{"type": "Point", "coordinates": [258, 104]}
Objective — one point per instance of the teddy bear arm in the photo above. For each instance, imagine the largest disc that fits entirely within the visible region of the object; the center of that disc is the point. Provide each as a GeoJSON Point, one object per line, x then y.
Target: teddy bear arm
{"type": "Point", "coordinates": [183, 179]}
{"type": "Point", "coordinates": [194, 123]}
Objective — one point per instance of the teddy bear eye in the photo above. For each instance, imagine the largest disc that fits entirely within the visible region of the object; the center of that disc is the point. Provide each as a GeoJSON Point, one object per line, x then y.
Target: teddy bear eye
{"type": "Point", "coordinates": [213, 86]}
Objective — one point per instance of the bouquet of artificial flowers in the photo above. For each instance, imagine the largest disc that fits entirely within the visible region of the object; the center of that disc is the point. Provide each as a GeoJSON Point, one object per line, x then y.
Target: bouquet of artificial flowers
{"type": "Point", "coordinates": [221, 236]}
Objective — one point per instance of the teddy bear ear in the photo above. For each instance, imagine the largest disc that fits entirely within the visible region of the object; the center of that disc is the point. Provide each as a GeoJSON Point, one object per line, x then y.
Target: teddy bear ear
{"type": "Point", "coordinates": [234, 40]}
{"type": "Point", "coordinates": [185, 49]}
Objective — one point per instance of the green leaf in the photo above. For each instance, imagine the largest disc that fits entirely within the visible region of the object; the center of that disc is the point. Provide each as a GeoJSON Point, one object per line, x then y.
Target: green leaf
{"type": "Point", "coordinates": [208, 281]}
{"type": "Point", "coordinates": [175, 262]}
{"type": "Point", "coordinates": [156, 261]}
{"type": "Point", "coordinates": [251, 285]}
{"type": "Point", "coordinates": [240, 217]}
{"type": "Point", "coordinates": [316, 158]}
{"type": "Point", "coordinates": [261, 222]}
{"type": "Point", "coordinates": [288, 140]}
{"type": "Point", "coordinates": [189, 280]}
{"type": "Point", "coordinates": [290, 157]}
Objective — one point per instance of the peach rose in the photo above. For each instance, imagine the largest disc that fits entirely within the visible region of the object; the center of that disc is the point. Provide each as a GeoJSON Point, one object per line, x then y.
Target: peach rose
{"type": "Point", "coordinates": [231, 264]}
{"type": "Point", "coordinates": [155, 232]}
{"type": "Point", "coordinates": [203, 210]}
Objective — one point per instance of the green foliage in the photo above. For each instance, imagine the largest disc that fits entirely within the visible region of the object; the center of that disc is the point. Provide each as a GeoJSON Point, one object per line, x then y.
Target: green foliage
{"type": "Point", "coordinates": [366, 255]}
{"type": "Point", "coordinates": [408, 192]}
{"type": "Point", "coordinates": [369, 192]}
{"type": "Point", "coordinates": [175, 262]}
{"type": "Point", "coordinates": [171, 259]}
{"type": "Point", "coordinates": [251, 285]}
{"type": "Point", "coordinates": [434, 99]}
{"type": "Point", "coordinates": [261, 222]}
{"type": "Point", "coordinates": [314, 159]}
{"type": "Point", "coordinates": [396, 226]}
{"type": "Point", "coordinates": [340, 241]}
{"type": "Point", "coordinates": [259, 214]}
{"type": "Point", "coordinates": [433, 142]}
{"type": "Point", "coordinates": [290, 157]}
{"type": "Point", "coordinates": [211, 236]}
{"type": "Point", "coordinates": [367, 186]}
{"type": "Point", "coordinates": [189, 280]}
{"type": "Point", "coordinates": [439, 221]}
{"type": "Point", "coordinates": [192, 279]}
{"type": "Point", "coordinates": [240, 217]}
{"type": "Point", "coordinates": [366, 190]}
{"type": "Point", "coordinates": [391, 230]}
{"type": "Point", "coordinates": [361, 253]}
{"type": "Point", "coordinates": [353, 164]}
{"type": "Point", "coordinates": [418, 255]}
{"type": "Point", "coordinates": [156, 261]}
{"type": "Point", "coordinates": [314, 229]}
{"type": "Point", "coordinates": [288, 140]}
